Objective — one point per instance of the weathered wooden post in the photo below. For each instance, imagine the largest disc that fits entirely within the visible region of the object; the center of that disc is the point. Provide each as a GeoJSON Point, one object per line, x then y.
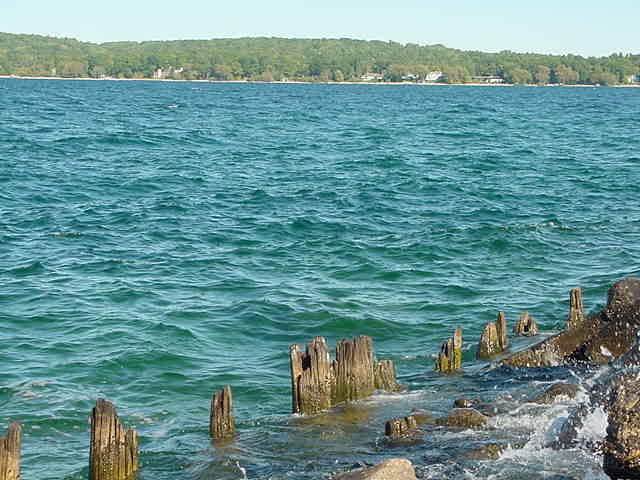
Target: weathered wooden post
{"type": "Point", "coordinates": [576, 309]}
{"type": "Point", "coordinates": [501, 326]}
{"type": "Point", "coordinates": [222, 424]}
{"type": "Point", "coordinates": [450, 357]}
{"type": "Point", "coordinates": [400, 427]}
{"type": "Point", "coordinates": [526, 326]}
{"type": "Point", "coordinates": [385, 376]}
{"type": "Point", "coordinates": [353, 370]}
{"type": "Point", "coordinates": [489, 342]}
{"type": "Point", "coordinates": [311, 377]}
{"type": "Point", "coordinates": [10, 453]}
{"type": "Point", "coordinates": [113, 452]}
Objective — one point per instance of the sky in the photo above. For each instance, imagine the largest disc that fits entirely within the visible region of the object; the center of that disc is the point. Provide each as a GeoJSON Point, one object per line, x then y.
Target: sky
{"type": "Point", "coordinates": [585, 27]}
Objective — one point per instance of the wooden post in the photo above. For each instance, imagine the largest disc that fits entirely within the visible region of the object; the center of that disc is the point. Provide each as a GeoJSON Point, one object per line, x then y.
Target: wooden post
{"type": "Point", "coordinates": [311, 377]}
{"type": "Point", "coordinates": [456, 360]}
{"type": "Point", "coordinates": [489, 342]}
{"type": "Point", "coordinates": [501, 326]}
{"type": "Point", "coordinates": [400, 427]}
{"type": "Point", "coordinates": [385, 376]}
{"type": "Point", "coordinates": [526, 326]}
{"type": "Point", "coordinates": [113, 452]}
{"type": "Point", "coordinates": [450, 358]}
{"type": "Point", "coordinates": [353, 370]}
{"type": "Point", "coordinates": [221, 421]}
{"type": "Point", "coordinates": [576, 309]}
{"type": "Point", "coordinates": [10, 453]}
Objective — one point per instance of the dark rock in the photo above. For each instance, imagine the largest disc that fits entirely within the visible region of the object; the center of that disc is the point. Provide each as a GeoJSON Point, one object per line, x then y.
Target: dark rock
{"type": "Point", "coordinates": [558, 390]}
{"type": "Point", "coordinates": [463, 418]}
{"type": "Point", "coordinates": [623, 302]}
{"type": "Point", "coordinates": [394, 469]}
{"type": "Point", "coordinates": [488, 452]}
{"type": "Point", "coordinates": [423, 418]}
{"type": "Point", "coordinates": [597, 339]}
{"type": "Point", "coordinates": [622, 445]}
{"type": "Point", "coordinates": [466, 402]}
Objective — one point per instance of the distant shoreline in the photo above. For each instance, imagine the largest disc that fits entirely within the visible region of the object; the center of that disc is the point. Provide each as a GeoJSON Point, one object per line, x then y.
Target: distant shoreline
{"type": "Point", "coordinates": [290, 82]}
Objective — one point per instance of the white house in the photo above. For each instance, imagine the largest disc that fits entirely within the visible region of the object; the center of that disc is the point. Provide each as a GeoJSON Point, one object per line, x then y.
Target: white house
{"type": "Point", "coordinates": [371, 77]}
{"type": "Point", "coordinates": [433, 76]}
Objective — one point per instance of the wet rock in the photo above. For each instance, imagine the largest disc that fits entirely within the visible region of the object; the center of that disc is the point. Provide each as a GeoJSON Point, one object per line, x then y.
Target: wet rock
{"type": "Point", "coordinates": [488, 452]}
{"type": "Point", "coordinates": [463, 418]}
{"type": "Point", "coordinates": [394, 469]}
{"type": "Point", "coordinates": [422, 418]}
{"type": "Point", "coordinates": [622, 445]}
{"type": "Point", "coordinates": [556, 391]}
{"type": "Point", "coordinates": [598, 339]}
{"type": "Point", "coordinates": [466, 402]}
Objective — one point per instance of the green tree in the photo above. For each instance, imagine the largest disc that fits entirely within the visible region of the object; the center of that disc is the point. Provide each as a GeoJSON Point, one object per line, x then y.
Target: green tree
{"type": "Point", "coordinates": [338, 76]}
{"type": "Point", "coordinates": [518, 76]}
{"type": "Point", "coordinates": [603, 78]}
{"type": "Point", "coordinates": [542, 75]}
{"type": "Point", "coordinates": [564, 74]}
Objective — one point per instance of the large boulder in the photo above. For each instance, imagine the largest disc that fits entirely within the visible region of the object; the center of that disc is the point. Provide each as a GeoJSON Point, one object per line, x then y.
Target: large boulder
{"type": "Point", "coordinates": [622, 445]}
{"type": "Point", "coordinates": [600, 338]}
{"type": "Point", "coordinates": [394, 469]}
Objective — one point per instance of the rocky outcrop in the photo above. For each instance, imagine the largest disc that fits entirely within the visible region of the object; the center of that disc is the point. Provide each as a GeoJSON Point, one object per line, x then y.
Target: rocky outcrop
{"type": "Point", "coordinates": [394, 469]}
{"type": "Point", "coordinates": [622, 445]}
{"type": "Point", "coordinates": [597, 339]}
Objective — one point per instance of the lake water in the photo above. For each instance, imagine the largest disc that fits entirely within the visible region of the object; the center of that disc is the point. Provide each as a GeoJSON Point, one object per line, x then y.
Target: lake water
{"type": "Point", "coordinates": [161, 240]}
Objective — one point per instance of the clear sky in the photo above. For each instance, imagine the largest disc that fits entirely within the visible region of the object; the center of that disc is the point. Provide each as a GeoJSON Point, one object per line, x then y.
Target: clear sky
{"type": "Point", "coordinates": [585, 27]}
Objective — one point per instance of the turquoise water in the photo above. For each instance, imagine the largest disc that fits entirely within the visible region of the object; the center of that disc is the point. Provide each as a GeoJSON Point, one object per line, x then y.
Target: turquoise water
{"type": "Point", "coordinates": [161, 240]}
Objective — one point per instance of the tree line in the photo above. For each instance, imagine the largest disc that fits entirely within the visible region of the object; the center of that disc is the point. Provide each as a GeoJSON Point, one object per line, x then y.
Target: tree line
{"type": "Point", "coordinates": [275, 59]}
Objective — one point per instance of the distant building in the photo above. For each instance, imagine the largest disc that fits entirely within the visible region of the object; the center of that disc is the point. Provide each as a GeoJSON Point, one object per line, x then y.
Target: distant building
{"type": "Point", "coordinates": [159, 73]}
{"type": "Point", "coordinates": [434, 76]}
{"type": "Point", "coordinates": [372, 77]}
{"type": "Point", "coordinates": [633, 79]}
{"type": "Point", "coordinates": [410, 77]}
{"type": "Point", "coordinates": [488, 79]}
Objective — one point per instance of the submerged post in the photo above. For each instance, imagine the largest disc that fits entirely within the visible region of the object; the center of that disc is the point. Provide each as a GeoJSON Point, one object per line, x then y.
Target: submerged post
{"type": "Point", "coordinates": [353, 370]}
{"type": "Point", "coordinates": [317, 383]}
{"type": "Point", "coordinates": [501, 326]}
{"type": "Point", "coordinates": [113, 452]}
{"type": "Point", "coordinates": [400, 427]}
{"type": "Point", "coordinates": [450, 357]}
{"type": "Point", "coordinates": [222, 424]}
{"type": "Point", "coordinates": [385, 376]}
{"type": "Point", "coordinates": [10, 453]}
{"type": "Point", "coordinates": [526, 326]}
{"type": "Point", "coordinates": [311, 377]}
{"type": "Point", "coordinates": [576, 309]}
{"type": "Point", "coordinates": [489, 342]}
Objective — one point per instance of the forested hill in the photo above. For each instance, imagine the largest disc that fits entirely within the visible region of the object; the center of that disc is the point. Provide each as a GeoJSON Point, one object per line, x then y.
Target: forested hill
{"type": "Point", "coordinates": [301, 59]}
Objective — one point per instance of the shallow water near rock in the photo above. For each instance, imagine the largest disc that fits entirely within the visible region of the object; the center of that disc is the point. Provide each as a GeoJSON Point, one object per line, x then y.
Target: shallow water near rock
{"type": "Point", "coordinates": [151, 254]}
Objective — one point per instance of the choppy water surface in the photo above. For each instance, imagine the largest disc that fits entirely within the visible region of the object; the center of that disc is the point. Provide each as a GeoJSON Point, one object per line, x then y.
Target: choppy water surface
{"type": "Point", "coordinates": [158, 241]}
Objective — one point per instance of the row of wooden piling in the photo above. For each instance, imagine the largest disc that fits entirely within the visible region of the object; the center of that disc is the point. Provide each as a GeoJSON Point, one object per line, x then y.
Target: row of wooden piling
{"type": "Point", "coordinates": [494, 341]}
{"type": "Point", "coordinates": [317, 383]}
